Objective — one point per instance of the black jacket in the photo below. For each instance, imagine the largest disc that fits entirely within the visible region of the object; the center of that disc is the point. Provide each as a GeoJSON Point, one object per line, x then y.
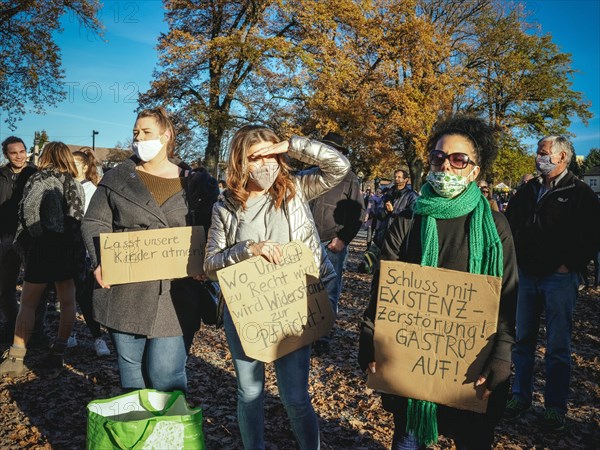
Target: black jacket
{"type": "Point", "coordinates": [11, 192]}
{"type": "Point", "coordinates": [562, 228]}
{"type": "Point", "coordinates": [402, 200]}
{"type": "Point", "coordinates": [340, 211]}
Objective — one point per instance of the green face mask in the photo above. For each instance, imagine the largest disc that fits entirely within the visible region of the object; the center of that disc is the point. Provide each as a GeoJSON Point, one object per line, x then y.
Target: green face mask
{"type": "Point", "coordinates": [448, 184]}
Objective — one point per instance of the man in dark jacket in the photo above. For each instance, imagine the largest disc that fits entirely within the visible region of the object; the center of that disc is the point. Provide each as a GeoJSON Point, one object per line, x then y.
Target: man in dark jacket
{"type": "Point", "coordinates": [555, 221]}
{"type": "Point", "coordinates": [13, 177]}
{"type": "Point", "coordinates": [396, 200]}
{"type": "Point", "coordinates": [338, 215]}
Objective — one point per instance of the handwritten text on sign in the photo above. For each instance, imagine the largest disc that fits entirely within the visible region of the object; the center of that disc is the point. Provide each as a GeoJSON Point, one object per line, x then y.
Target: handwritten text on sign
{"type": "Point", "coordinates": [279, 308]}
{"type": "Point", "coordinates": [148, 255]}
{"type": "Point", "coordinates": [433, 332]}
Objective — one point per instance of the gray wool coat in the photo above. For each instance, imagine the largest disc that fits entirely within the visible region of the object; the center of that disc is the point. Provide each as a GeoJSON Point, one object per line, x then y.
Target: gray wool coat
{"type": "Point", "coordinates": [123, 203]}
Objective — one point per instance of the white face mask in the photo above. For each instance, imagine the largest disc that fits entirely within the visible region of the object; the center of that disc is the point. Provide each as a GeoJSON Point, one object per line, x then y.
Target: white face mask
{"type": "Point", "coordinates": [147, 150]}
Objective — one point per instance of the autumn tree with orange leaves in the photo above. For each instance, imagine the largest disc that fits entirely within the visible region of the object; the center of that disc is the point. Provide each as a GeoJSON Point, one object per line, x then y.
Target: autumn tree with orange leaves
{"type": "Point", "coordinates": [214, 54]}
{"type": "Point", "coordinates": [380, 72]}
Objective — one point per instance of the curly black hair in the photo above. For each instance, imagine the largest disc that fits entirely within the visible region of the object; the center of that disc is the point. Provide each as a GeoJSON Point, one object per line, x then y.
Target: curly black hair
{"type": "Point", "coordinates": [483, 136]}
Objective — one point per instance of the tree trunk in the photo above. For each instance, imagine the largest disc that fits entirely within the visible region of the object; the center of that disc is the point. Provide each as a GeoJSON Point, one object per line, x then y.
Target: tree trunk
{"type": "Point", "coordinates": [415, 168]}
{"type": "Point", "coordinates": [212, 150]}
{"type": "Point", "coordinates": [412, 160]}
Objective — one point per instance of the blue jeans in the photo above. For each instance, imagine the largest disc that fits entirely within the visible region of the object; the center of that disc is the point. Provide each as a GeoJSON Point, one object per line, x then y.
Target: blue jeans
{"type": "Point", "coordinates": [157, 363]}
{"type": "Point", "coordinates": [334, 289]}
{"type": "Point", "coordinates": [556, 294]}
{"type": "Point", "coordinates": [292, 381]}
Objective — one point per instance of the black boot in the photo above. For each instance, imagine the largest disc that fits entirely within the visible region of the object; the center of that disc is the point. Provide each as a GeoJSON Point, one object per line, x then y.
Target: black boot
{"type": "Point", "coordinates": [55, 358]}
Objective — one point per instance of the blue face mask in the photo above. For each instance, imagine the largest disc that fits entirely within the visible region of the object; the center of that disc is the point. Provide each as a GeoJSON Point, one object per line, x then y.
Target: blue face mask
{"type": "Point", "coordinates": [544, 164]}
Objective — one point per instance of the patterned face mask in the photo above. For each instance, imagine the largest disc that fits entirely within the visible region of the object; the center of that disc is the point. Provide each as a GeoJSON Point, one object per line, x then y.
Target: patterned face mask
{"type": "Point", "coordinates": [448, 184]}
{"type": "Point", "coordinates": [544, 164]}
{"type": "Point", "coordinates": [264, 175]}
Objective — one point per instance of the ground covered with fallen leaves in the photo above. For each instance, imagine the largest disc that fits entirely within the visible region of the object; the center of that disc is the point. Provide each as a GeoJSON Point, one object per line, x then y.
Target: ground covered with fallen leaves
{"type": "Point", "coordinates": [48, 410]}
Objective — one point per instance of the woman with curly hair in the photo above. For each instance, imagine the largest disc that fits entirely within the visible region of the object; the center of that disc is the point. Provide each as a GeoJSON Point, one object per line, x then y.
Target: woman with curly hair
{"type": "Point", "coordinates": [453, 227]}
{"type": "Point", "coordinates": [49, 235]}
{"type": "Point", "coordinates": [264, 207]}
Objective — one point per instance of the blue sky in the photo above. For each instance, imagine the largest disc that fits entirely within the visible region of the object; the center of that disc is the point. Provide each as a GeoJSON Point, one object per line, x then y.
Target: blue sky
{"type": "Point", "coordinates": [104, 77]}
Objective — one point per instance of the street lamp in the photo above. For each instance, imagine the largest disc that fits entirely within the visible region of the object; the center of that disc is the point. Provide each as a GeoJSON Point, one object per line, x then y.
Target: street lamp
{"type": "Point", "coordinates": [94, 133]}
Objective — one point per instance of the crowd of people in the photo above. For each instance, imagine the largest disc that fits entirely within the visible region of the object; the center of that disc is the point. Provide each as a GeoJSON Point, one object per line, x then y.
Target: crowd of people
{"type": "Point", "coordinates": [538, 244]}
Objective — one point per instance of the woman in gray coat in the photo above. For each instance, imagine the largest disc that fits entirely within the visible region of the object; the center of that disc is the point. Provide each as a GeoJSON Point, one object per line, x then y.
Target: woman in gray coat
{"type": "Point", "coordinates": [265, 207]}
{"type": "Point", "coordinates": [147, 320]}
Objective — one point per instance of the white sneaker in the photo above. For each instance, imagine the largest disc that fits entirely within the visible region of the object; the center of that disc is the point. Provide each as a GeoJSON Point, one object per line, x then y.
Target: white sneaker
{"type": "Point", "coordinates": [72, 342]}
{"type": "Point", "coordinates": [101, 347]}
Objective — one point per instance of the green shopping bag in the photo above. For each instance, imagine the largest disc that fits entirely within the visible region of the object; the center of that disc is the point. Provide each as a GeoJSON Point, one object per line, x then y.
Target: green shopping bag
{"type": "Point", "coordinates": [144, 419]}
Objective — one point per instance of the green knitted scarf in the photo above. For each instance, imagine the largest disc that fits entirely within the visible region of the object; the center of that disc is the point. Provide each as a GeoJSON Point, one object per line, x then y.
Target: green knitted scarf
{"type": "Point", "coordinates": [485, 257]}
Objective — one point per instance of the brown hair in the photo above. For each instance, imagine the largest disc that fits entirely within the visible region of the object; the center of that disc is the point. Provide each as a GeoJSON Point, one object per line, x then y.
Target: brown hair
{"type": "Point", "coordinates": [11, 140]}
{"type": "Point", "coordinates": [237, 171]}
{"type": "Point", "coordinates": [483, 183]}
{"type": "Point", "coordinates": [87, 156]}
{"type": "Point", "coordinates": [162, 118]}
{"type": "Point", "coordinates": [57, 156]}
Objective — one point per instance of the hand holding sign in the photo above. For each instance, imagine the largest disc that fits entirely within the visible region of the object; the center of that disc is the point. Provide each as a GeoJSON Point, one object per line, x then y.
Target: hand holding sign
{"type": "Point", "coordinates": [270, 250]}
{"type": "Point", "coordinates": [495, 372]}
{"type": "Point", "coordinates": [98, 277]}
{"type": "Point", "coordinates": [277, 308]}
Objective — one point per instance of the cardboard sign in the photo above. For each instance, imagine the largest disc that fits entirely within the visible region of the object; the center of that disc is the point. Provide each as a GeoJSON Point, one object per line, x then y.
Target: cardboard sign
{"type": "Point", "coordinates": [434, 329]}
{"type": "Point", "coordinates": [148, 255]}
{"type": "Point", "coordinates": [280, 308]}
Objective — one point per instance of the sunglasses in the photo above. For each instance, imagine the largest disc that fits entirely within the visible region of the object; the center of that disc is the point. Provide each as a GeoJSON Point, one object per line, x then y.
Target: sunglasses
{"type": "Point", "coordinates": [456, 160]}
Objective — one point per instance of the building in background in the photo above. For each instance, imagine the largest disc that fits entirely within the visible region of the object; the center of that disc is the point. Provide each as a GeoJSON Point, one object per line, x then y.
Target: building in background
{"type": "Point", "coordinates": [592, 179]}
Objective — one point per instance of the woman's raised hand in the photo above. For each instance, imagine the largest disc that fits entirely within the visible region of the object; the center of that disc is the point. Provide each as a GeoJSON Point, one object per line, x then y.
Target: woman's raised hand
{"type": "Point", "coordinates": [281, 147]}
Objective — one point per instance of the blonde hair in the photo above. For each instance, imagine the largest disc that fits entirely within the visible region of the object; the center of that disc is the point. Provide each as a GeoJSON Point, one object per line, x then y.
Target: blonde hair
{"type": "Point", "coordinates": [87, 156]}
{"type": "Point", "coordinates": [237, 170]}
{"type": "Point", "coordinates": [164, 123]}
{"type": "Point", "coordinates": [57, 156]}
